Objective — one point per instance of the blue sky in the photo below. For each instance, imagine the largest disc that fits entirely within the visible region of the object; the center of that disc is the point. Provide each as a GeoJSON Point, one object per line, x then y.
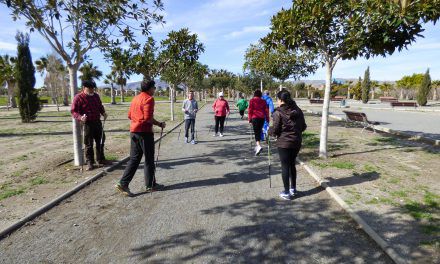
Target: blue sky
{"type": "Point", "coordinates": [228, 27]}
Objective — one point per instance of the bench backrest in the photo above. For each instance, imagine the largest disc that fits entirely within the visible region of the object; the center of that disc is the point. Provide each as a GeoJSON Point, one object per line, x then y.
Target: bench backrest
{"type": "Point", "coordinates": [356, 116]}
{"type": "Point", "coordinates": [414, 104]}
{"type": "Point", "coordinates": [316, 101]}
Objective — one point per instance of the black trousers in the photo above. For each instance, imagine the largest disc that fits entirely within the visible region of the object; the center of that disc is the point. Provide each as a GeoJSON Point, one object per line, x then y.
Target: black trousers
{"type": "Point", "coordinates": [242, 113]}
{"type": "Point", "coordinates": [190, 123]}
{"type": "Point", "coordinates": [257, 124]}
{"type": "Point", "coordinates": [93, 132]}
{"type": "Point", "coordinates": [219, 120]}
{"type": "Point", "coordinates": [141, 143]}
{"type": "Point", "coordinates": [288, 169]}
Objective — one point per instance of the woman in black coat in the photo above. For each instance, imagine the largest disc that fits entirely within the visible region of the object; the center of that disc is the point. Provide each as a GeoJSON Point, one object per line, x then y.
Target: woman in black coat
{"type": "Point", "coordinates": [288, 125]}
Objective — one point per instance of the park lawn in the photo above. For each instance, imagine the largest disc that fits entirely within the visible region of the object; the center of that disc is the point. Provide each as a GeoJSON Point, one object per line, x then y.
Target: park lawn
{"type": "Point", "coordinates": [393, 183]}
{"type": "Point", "coordinates": [31, 169]}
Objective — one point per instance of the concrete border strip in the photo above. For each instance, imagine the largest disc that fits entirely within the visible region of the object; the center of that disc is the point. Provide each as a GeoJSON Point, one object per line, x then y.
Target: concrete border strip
{"type": "Point", "coordinates": [14, 227]}
{"type": "Point", "coordinates": [365, 227]}
{"type": "Point", "coordinates": [435, 142]}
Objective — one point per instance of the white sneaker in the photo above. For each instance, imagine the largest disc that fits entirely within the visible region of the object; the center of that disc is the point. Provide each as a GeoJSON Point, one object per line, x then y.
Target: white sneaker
{"type": "Point", "coordinates": [193, 142]}
{"type": "Point", "coordinates": [221, 135]}
{"type": "Point", "coordinates": [258, 150]}
{"type": "Point", "coordinates": [285, 196]}
{"type": "Point", "coordinates": [292, 192]}
{"type": "Point", "coordinates": [215, 134]}
{"type": "Point", "coordinates": [186, 140]}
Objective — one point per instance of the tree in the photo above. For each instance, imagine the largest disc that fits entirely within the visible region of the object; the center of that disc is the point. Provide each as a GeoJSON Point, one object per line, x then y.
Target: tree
{"type": "Point", "coordinates": [357, 90]}
{"type": "Point", "coordinates": [298, 87]}
{"type": "Point", "coordinates": [279, 62]}
{"type": "Point", "coordinates": [8, 75]}
{"type": "Point", "coordinates": [341, 29]}
{"type": "Point", "coordinates": [180, 50]}
{"type": "Point", "coordinates": [409, 82]}
{"type": "Point", "coordinates": [386, 87]}
{"type": "Point", "coordinates": [121, 67]}
{"type": "Point", "coordinates": [195, 77]}
{"type": "Point", "coordinates": [435, 86]}
{"type": "Point", "coordinates": [110, 79]}
{"type": "Point", "coordinates": [29, 103]}
{"type": "Point", "coordinates": [90, 72]}
{"type": "Point", "coordinates": [366, 86]}
{"type": "Point", "coordinates": [55, 79]}
{"type": "Point", "coordinates": [424, 89]}
{"type": "Point", "coordinates": [75, 27]}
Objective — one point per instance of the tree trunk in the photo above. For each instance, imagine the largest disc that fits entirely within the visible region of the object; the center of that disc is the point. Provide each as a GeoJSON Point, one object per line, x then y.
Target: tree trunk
{"type": "Point", "coordinates": [172, 101]}
{"type": "Point", "coordinates": [325, 108]}
{"type": "Point", "coordinates": [348, 92]}
{"type": "Point", "coordinates": [78, 155]}
{"type": "Point", "coordinates": [281, 86]}
{"type": "Point", "coordinates": [112, 94]}
{"type": "Point", "coordinates": [122, 93]}
{"type": "Point", "coordinates": [434, 94]}
{"type": "Point", "coordinates": [261, 85]}
{"type": "Point", "coordinates": [11, 94]}
{"type": "Point", "coordinates": [296, 93]}
{"type": "Point", "coordinates": [401, 94]}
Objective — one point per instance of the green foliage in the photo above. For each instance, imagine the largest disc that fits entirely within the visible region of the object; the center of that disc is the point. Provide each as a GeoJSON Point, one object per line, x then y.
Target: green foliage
{"type": "Point", "coordinates": [356, 90]}
{"type": "Point", "coordinates": [309, 139]}
{"type": "Point", "coordinates": [279, 62]}
{"type": "Point", "coordinates": [38, 181]}
{"type": "Point", "coordinates": [90, 72]}
{"type": "Point", "coordinates": [181, 50]}
{"type": "Point", "coordinates": [410, 82]}
{"type": "Point", "coordinates": [366, 86]}
{"type": "Point", "coordinates": [6, 191]}
{"type": "Point", "coordinates": [8, 75]}
{"type": "Point", "coordinates": [424, 89]}
{"type": "Point", "coordinates": [28, 100]}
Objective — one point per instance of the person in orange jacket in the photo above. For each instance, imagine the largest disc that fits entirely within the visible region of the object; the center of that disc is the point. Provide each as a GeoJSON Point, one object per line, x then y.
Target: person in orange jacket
{"type": "Point", "coordinates": [221, 110]}
{"type": "Point", "coordinates": [141, 114]}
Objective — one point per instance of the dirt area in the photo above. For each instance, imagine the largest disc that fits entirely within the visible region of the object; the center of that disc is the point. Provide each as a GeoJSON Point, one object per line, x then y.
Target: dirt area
{"type": "Point", "coordinates": [393, 183]}
{"type": "Point", "coordinates": [31, 169]}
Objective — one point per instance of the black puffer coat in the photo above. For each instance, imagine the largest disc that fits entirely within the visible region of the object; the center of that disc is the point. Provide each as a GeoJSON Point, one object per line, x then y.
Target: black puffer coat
{"type": "Point", "coordinates": [288, 125]}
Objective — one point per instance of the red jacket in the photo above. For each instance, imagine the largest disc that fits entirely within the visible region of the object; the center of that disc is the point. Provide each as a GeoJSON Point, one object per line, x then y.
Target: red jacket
{"type": "Point", "coordinates": [258, 109]}
{"type": "Point", "coordinates": [220, 107]}
{"type": "Point", "coordinates": [141, 113]}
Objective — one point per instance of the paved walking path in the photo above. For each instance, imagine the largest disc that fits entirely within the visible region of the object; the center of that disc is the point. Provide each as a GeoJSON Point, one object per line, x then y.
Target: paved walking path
{"type": "Point", "coordinates": [217, 208]}
{"type": "Point", "coordinates": [425, 124]}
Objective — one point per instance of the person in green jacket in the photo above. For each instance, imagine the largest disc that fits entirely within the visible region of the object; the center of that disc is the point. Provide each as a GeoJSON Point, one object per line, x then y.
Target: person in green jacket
{"type": "Point", "coordinates": [242, 105]}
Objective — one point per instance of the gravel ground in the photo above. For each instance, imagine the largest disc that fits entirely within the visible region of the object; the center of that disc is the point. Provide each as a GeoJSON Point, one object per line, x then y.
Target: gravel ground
{"type": "Point", "coordinates": [217, 208]}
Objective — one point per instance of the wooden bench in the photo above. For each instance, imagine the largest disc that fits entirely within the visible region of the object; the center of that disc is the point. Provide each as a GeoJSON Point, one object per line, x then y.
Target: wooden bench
{"type": "Point", "coordinates": [385, 99]}
{"type": "Point", "coordinates": [410, 104]}
{"type": "Point", "coordinates": [337, 98]}
{"type": "Point", "coordinates": [361, 118]}
{"type": "Point", "coordinates": [316, 101]}
{"type": "Point", "coordinates": [44, 101]}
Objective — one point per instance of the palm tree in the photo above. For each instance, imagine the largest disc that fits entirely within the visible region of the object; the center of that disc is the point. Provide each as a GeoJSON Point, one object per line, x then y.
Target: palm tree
{"type": "Point", "coordinates": [90, 72]}
{"type": "Point", "coordinates": [8, 76]}
{"type": "Point", "coordinates": [110, 79]}
{"type": "Point", "coordinates": [42, 65]}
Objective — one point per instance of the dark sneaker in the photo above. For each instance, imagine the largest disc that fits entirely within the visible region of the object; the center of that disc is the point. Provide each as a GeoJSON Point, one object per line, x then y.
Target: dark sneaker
{"type": "Point", "coordinates": [123, 189]}
{"type": "Point", "coordinates": [285, 195]}
{"type": "Point", "coordinates": [89, 167]}
{"type": "Point", "coordinates": [156, 187]}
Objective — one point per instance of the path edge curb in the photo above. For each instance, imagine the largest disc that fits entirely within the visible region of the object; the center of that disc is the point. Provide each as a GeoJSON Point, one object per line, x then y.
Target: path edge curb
{"type": "Point", "coordinates": [20, 223]}
{"type": "Point", "coordinates": [434, 142]}
{"type": "Point", "coordinates": [357, 218]}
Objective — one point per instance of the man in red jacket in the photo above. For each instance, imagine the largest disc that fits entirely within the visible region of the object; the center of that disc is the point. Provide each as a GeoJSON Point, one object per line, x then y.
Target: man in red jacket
{"type": "Point", "coordinates": [142, 139]}
{"type": "Point", "coordinates": [87, 108]}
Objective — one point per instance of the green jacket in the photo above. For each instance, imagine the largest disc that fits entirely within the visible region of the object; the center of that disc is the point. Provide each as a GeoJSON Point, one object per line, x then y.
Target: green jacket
{"type": "Point", "coordinates": [242, 104]}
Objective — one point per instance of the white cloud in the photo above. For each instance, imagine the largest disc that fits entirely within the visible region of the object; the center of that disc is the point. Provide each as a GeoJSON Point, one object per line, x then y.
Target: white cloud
{"type": "Point", "coordinates": [8, 46]}
{"type": "Point", "coordinates": [246, 30]}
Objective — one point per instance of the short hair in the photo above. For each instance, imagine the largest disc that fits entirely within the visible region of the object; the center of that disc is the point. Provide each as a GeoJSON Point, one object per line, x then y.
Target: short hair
{"type": "Point", "coordinates": [258, 93]}
{"type": "Point", "coordinates": [147, 85]}
{"type": "Point", "coordinates": [191, 91]}
{"type": "Point", "coordinates": [88, 84]}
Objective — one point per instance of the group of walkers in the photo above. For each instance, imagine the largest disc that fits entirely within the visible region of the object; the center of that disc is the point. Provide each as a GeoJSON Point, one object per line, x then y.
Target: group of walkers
{"type": "Point", "coordinates": [288, 125]}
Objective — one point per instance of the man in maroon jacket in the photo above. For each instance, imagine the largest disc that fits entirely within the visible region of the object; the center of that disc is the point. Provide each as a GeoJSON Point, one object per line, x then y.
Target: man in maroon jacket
{"type": "Point", "coordinates": [87, 108]}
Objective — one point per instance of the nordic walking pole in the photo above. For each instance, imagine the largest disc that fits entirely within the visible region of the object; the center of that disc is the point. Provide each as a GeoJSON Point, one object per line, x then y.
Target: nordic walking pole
{"type": "Point", "coordinates": [180, 130]}
{"type": "Point", "coordinates": [102, 140]}
{"type": "Point", "coordinates": [83, 148]}
{"type": "Point", "coordinates": [157, 159]}
{"type": "Point", "coordinates": [268, 157]}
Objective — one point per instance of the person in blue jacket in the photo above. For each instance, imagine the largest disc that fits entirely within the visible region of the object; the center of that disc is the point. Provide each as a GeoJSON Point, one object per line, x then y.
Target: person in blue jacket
{"type": "Point", "coordinates": [266, 97]}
